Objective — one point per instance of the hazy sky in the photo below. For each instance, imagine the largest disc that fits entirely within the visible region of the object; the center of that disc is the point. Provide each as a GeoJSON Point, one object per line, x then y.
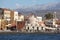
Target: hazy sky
{"type": "Point", "coordinates": [12, 4]}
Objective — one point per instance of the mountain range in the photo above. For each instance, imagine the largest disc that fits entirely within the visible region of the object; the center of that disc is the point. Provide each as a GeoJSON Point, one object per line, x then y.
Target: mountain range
{"type": "Point", "coordinates": [41, 9]}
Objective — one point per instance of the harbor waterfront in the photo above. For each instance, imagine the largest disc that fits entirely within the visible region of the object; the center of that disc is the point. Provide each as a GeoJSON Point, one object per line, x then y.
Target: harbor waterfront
{"type": "Point", "coordinates": [13, 21]}
{"type": "Point", "coordinates": [29, 19]}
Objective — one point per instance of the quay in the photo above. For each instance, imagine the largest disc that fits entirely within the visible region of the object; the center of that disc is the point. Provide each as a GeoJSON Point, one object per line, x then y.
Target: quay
{"type": "Point", "coordinates": [19, 32]}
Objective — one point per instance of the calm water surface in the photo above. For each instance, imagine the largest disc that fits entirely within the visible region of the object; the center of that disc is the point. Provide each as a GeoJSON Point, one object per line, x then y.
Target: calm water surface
{"type": "Point", "coordinates": [29, 36]}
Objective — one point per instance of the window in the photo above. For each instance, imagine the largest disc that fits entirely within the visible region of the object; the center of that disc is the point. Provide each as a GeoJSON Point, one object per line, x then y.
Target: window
{"type": "Point", "coordinates": [41, 28]}
{"type": "Point", "coordinates": [28, 28]}
{"type": "Point", "coordinates": [1, 13]}
{"type": "Point", "coordinates": [37, 28]}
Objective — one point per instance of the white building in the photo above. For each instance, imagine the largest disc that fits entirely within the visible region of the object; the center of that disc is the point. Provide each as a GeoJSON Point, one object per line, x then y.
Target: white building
{"type": "Point", "coordinates": [32, 19]}
{"type": "Point", "coordinates": [7, 15]}
{"type": "Point", "coordinates": [34, 25]}
{"type": "Point", "coordinates": [21, 18]}
{"type": "Point", "coordinates": [0, 22]}
{"type": "Point", "coordinates": [15, 15]}
{"type": "Point", "coordinates": [39, 18]}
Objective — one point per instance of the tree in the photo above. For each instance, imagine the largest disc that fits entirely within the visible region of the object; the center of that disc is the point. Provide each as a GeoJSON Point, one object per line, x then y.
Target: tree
{"type": "Point", "coordinates": [48, 15]}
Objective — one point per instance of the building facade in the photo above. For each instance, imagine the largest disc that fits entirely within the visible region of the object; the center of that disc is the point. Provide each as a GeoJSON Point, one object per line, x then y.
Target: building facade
{"type": "Point", "coordinates": [20, 22]}
{"type": "Point", "coordinates": [33, 25]}
{"type": "Point", "coordinates": [7, 16]}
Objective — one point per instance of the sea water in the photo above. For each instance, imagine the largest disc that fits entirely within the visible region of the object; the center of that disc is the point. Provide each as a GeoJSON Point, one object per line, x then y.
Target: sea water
{"type": "Point", "coordinates": [22, 36]}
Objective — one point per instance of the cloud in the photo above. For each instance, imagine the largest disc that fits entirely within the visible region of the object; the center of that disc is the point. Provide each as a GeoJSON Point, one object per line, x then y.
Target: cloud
{"type": "Point", "coordinates": [17, 5]}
